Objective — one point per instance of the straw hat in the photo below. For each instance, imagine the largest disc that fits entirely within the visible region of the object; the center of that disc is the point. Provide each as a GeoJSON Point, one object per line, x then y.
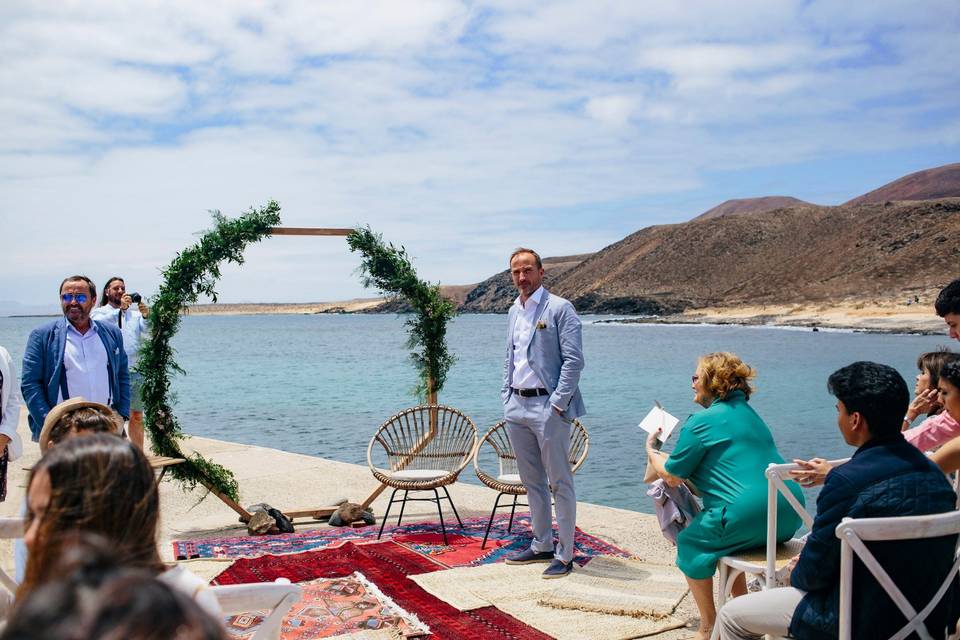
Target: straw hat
{"type": "Point", "coordinates": [69, 406]}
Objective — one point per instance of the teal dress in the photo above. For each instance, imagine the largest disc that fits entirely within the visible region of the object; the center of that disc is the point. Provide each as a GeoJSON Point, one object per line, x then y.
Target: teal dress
{"type": "Point", "coordinates": [724, 450]}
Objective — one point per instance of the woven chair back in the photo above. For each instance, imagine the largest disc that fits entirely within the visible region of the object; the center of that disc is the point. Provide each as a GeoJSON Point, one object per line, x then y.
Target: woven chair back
{"type": "Point", "coordinates": [427, 437]}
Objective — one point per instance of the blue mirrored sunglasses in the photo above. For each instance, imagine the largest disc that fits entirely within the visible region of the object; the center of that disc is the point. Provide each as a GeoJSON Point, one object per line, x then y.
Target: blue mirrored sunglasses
{"type": "Point", "coordinates": [81, 298]}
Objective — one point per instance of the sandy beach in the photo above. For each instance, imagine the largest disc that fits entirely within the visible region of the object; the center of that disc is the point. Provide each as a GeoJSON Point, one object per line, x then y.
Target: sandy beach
{"type": "Point", "coordinates": [872, 316]}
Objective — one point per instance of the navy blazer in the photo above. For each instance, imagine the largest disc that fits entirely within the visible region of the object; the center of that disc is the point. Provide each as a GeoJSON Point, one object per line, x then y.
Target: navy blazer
{"type": "Point", "coordinates": [555, 353]}
{"type": "Point", "coordinates": [886, 477]}
{"type": "Point", "coordinates": [43, 370]}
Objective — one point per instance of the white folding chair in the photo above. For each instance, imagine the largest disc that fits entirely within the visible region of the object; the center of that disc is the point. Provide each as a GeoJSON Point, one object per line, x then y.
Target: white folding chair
{"type": "Point", "coordinates": [11, 528]}
{"type": "Point", "coordinates": [853, 533]}
{"type": "Point", "coordinates": [764, 563]}
{"type": "Point", "coordinates": [271, 596]}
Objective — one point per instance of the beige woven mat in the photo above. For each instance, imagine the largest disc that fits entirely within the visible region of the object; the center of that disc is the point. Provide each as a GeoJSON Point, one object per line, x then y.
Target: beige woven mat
{"type": "Point", "coordinates": [620, 586]}
{"type": "Point", "coordinates": [456, 586]}
{"type": "Point", "coordinates": [568, 624]}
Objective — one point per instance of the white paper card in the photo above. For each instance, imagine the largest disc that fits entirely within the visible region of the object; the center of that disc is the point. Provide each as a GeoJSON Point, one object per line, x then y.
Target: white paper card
{"type": "Point", "coordinates": [659, 419]}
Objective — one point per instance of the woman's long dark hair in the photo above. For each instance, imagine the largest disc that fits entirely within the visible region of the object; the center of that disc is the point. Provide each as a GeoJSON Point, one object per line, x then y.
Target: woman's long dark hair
{"type": "Point", "coordinates": [100, 484]}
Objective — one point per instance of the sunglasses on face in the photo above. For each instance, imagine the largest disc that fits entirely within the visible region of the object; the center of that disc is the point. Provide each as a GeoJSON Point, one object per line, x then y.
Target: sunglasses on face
{"type": "Point", "coordinates": [694, 378]}
{"type": "Point", "coordinates": [80, 298]}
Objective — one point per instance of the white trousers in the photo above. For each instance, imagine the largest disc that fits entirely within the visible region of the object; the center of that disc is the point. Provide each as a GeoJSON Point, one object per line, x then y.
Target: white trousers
{"type": "Point", "coordinates": [541, 440]}
{"type": "Point", "coordinates": [752, 615]}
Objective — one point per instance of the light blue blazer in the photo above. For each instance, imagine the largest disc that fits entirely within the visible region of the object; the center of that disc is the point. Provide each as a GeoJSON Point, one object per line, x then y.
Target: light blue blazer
{"type": "Point", "coordinates": [43, 373]}
{"type": "Point", "coordinates": [555, 353]}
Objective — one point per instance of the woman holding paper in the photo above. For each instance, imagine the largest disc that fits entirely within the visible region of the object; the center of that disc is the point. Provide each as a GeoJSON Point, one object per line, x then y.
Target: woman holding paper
{"type": "Point", "coordinates": [723, 451]}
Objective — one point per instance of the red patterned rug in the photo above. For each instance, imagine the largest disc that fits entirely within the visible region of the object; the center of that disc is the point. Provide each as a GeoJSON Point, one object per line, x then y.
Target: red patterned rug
{"type": "Point", "coordinates": [387, 565]}
{"type": "Point", "coordinates": [329, 607]}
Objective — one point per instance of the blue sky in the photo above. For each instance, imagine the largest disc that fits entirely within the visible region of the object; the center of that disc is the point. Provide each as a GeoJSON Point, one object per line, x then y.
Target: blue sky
{"type": "Point", "coordinates": [459, 129]}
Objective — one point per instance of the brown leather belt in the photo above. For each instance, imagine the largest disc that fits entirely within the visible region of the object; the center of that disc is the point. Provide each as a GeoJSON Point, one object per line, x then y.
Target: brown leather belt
{"type": "Point", "coordinates": [531, 393]}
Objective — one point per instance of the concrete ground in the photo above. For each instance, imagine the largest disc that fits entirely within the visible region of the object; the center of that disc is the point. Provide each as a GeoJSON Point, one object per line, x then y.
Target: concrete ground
{"type": "Point", "coordinates": [291, 481]}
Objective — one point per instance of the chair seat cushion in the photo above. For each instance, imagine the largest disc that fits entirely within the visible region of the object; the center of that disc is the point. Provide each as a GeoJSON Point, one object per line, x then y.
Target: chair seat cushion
{"type": "Point", "coordinates": [418, 474]}
{"type": "Point", "coordinates": [513, 478]}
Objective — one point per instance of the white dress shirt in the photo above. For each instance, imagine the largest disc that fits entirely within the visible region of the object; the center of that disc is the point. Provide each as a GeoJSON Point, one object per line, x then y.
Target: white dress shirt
{"type": "Point", "coordinates": [132, 328]}
{"type": "Point", "coordinates": [524, 376]}
{"type": "Point", "coordinates": [86, 365]}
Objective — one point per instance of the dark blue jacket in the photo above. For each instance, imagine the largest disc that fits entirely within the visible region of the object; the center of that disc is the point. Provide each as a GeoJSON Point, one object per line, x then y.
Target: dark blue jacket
{"type": "Point", "coordinates": [886, 477]}
{"type": "Point", "coordinates": [43, 373]}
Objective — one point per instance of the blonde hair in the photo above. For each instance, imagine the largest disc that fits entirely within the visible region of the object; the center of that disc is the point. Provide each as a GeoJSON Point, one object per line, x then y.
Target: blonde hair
{"type": "Point", "coordinates": [722, 372]}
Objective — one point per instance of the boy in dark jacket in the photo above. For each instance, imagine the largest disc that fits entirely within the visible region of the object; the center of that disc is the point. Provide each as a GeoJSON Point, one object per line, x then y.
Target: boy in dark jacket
{"type": "Point", "coordinates": [885, 477]}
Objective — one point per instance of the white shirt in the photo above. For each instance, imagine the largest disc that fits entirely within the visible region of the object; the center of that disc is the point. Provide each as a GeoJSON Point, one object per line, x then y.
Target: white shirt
{"type": "Point", "coordinates": [86, 365]}
{"type": "Point", "coordinates": [523, 376]}
{"type": "Point", "coordinates": [132, 328]}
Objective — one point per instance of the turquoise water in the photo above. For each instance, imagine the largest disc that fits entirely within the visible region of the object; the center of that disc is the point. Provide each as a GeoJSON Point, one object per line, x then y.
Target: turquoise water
{"type": "Point", "coordinates": [322, 384]}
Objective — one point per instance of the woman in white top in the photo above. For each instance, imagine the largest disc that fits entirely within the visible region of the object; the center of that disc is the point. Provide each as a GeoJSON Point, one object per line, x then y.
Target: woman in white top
{"type": "Point", "coordinates": [104, 485]}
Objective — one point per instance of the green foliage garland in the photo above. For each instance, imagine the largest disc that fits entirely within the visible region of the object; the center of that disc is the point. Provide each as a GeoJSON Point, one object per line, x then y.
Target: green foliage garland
{"type": "Point", "coordinates": [388, 268]}
{"type": "Point", "coordinates": [193, 272]}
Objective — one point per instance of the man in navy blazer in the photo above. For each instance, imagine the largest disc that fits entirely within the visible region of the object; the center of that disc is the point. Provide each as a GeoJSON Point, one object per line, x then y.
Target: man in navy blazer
{"type": "Point", "coordinates": [74, 356]}
{"type": "Point", "coordinates": [541, 399]}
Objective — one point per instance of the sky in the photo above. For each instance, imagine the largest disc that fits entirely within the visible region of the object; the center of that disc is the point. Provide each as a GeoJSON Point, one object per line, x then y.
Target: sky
{"type": "Point", "coordinates": [457, 129]}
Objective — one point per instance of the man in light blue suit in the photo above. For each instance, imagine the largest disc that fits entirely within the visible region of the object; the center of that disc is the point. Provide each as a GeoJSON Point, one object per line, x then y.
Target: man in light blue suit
{"type": "Point", "coordinates": [74, 356]}
{"type": "Point", "coordinates": [541, 399]}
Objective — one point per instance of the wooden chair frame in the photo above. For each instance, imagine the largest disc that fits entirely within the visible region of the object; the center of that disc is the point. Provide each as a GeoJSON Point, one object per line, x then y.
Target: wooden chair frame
{"type": "Point", "coordinates": [427, 438]}
{"type": "Point", "coordinates": [853, 533]}
{"type": "Point", "coordinates": [11, 528]}
{"type": "Point", "coordinates": [497, 439]}
{"type": "Point", "coordinates": [730, 567]}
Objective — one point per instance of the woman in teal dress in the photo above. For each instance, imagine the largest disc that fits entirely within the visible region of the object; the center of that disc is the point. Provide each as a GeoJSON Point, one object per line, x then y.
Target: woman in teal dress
{"type": "Point", "coordinates": [723, 451]}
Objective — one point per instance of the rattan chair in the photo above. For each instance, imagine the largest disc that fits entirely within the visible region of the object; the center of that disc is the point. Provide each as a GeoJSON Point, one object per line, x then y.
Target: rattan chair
{"type": "Point", "coordinates": [507, 481]}
{"type": "Point", "coordinates": [424, 449]}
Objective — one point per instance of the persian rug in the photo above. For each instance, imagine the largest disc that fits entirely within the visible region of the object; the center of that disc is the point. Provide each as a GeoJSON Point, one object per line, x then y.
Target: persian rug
{"type": "Point", "coordinates": [386, 565]}
{"type": "Point", "coordinates": [346, 607]}
{"type": "Point", "coordinates": [464, 548]}
{"type": "Point", "coordinates": [621, 586]}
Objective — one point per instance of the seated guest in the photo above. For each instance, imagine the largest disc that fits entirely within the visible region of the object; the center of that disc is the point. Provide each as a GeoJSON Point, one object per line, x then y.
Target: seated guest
{"type": "Point", "coordinates": [940, 426]}
{"type": "Point", "coordinates": [724, 450]}
{"type": "Point", "coordinates": [94, 598]}
{"type": "Point", "coordinates": [948, 457]}
{"type": "Point", "coordinates": [948, 308]}
{"type": "Point", "coordinates": [103, 485]}
{"type": "Point", "coordinates": [885, 477]}
{"type": "Point", "coordinates": [78, 416]}
{"type": "Point", "coordinates": [72, 417]}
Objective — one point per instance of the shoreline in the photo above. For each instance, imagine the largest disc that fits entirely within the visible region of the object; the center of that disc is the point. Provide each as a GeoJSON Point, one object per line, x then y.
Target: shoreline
{"type": "Point", "coordinates": [860, 317]}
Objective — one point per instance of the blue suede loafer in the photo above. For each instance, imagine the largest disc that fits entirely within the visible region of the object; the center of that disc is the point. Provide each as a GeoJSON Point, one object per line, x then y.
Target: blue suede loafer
{"type": "Point", "coordinates": [528, 556]}
{"type": "Point", "coordinates": [558, 569]}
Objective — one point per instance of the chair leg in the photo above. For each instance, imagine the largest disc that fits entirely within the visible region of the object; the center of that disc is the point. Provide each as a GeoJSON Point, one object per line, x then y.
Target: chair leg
{"type": "Point", "coordinates": [440, 511]}
{"type": "Point", "coordinates": [490, 522]}
{"type": "Point", "coordinates": [403, 506]}
{"type": "Point", "coordinates": [453, 506]}
{"type": "Point", "coordinates": [383, 522]}
{"type": "Point", "coordinates": [513, 510]}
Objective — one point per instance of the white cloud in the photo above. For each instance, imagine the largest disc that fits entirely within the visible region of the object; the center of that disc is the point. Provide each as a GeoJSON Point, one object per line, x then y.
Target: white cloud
{"type": "Point", "coordinates": [459, 129]}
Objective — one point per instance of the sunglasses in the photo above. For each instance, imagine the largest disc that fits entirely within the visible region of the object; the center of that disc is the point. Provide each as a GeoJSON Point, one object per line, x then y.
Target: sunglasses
{"type": "Point", "coordinates": [80, 298]}
{"type": "Point", "coordinates": [694, 378]}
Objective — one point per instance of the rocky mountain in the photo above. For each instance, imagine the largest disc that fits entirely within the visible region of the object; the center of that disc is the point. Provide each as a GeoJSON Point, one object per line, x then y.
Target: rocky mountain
{"type": "Point", "coordinates": [496, 293]}
{"type": "Point", "coordinates": [786, 256]}
{"type": "Point", "coordinates": [750, 205]}
{"type": "Point", "coordinates": [929, 184]}
{"type": "Point", "coordinates": [898, 240]}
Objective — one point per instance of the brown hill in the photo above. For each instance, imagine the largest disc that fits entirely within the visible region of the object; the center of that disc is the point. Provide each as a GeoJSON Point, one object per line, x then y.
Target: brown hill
{"type": "Point", "coordinates": [750, 205]}
{"type": "Point", "coordinates": [797, 255]}
{"type": "Point", "coordinates": [496, 293]}
{"type": "Point", "coordinates": [939, 182]}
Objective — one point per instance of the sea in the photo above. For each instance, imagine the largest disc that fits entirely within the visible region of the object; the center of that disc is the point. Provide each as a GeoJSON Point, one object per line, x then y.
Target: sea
{"type": "Point", "coordinates": [322, 384]}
